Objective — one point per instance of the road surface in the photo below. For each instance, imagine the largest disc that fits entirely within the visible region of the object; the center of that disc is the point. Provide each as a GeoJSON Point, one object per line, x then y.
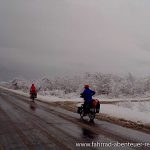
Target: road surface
{"type": "Point", "coordinates": [48, 127]}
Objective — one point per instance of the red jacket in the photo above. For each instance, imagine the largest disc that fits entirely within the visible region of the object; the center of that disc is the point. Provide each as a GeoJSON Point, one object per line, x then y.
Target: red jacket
{"type": "Point", "coordinates": [33, 89]}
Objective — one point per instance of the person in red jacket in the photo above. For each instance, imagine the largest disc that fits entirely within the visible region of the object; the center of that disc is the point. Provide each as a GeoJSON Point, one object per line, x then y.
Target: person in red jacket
{"type": "Point", "coordinates": [33, 90]}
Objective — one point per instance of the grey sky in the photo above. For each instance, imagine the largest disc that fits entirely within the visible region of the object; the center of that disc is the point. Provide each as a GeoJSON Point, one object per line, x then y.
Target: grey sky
{"type": "Point", "coordinates": [67, 37]}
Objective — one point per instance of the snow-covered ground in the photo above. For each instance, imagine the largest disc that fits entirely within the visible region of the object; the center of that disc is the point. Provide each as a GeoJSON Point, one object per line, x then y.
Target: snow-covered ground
{"type": "Point", "coordinates": [134, 111]}
{"type": "Point", "coordinates": [45, 98]}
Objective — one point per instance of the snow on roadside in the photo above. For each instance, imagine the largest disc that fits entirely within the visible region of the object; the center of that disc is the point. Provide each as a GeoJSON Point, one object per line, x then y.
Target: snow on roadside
{"type": "Point", "coordinates": [125, 110]}
{"type": "Point", "coordinates": [46, 98]}
{"type": "Point", "coordinates": [134, 115]}
{"type": "Point", "coordinates": [15, 91]}
{"type": "Point", "coordinates": [56, 99]}
{"type": "Point", "coordinates": [51, 98]}
{"type": "Point", "coordinates": [123, 99]}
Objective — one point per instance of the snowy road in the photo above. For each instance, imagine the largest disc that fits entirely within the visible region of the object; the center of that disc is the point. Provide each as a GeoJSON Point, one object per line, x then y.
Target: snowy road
{"type": "Point", "coordinates": [49, 127]}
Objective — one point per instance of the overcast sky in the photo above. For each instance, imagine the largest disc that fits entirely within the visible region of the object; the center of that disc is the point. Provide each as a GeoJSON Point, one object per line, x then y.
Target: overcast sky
{"type": "Point", "coordinates": [68, 37]}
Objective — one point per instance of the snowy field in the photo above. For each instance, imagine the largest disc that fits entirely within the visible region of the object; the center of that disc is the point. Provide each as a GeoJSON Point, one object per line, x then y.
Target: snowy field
{"type": "Point", "coordinates": [138, 112]}
{"type": "Point", "coordinates": [126, 109]}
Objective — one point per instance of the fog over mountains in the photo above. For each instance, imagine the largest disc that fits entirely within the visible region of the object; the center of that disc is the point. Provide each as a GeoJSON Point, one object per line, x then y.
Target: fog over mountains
{"type": "Point", "coordinates": [69, 37]}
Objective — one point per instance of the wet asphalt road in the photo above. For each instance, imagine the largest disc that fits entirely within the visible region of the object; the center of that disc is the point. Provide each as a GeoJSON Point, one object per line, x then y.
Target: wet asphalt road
{"type": "Point", "coordinates": [47, 127]}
